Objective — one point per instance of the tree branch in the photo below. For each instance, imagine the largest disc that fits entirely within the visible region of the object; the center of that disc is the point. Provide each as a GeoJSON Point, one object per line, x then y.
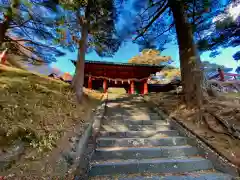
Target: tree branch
{"type": "Point", "coordinates": [160, 11]}
{"type": "Point", "coordinates": [35, 43]}
{"type": "Point", "coordinates": [26, 48]}
{"type": "Point", "coordinates": [150, 16]}
{"type": "Point", "coordinates": [20, 25]}
{"type": "Point", "coordinates": [39, 30]}
{"type": "Point", "coordinates": [32, 58]}
{"type": "Point", "coordinates": [157, 3]}
{"type": "Point", "coordinates": [168, 29]}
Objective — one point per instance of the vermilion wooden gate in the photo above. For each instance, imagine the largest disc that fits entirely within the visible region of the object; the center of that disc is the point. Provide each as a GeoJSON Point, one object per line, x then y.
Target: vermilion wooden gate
{"type": "Point", "coordinates": [132, 77]}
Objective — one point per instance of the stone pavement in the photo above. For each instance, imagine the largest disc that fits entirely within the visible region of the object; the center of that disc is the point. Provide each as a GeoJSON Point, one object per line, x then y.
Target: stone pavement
{"type": "Point", "coordinates": [136, 144]}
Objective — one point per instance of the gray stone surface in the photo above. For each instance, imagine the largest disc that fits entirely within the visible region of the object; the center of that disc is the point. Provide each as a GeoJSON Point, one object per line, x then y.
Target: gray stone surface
{"type": "Point", "coordinates": [12, 154]}
{"type": "Point", "coordinates": [133, 140]}
{"type": "Point", "coordinates": [135, 122]}
{"type": "Point", "coordinates": [138, 134]}
{"type": "Point", "coordinates": [144, 153]}
{"type": "Point", "coordinates": [187, 176]}
{"type": "Point", "coordinates": [148, 127]}
{"type": "Point", "coordinates": [219, 162]}
{"type": "Point", "coordinates": [130, 127]}
{"type": "Point", "coordinates": [150, 165]}
{"type": "Point", "coordinates": [75, 160]}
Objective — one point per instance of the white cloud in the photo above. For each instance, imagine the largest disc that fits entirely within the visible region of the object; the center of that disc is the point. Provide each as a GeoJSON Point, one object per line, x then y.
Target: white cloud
{"type": "Point", "coordinates": [233, 10]}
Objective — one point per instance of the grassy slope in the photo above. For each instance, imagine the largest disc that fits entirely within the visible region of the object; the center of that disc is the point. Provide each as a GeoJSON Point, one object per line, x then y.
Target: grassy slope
{"type": "Point", "coordinates": [38, 110]}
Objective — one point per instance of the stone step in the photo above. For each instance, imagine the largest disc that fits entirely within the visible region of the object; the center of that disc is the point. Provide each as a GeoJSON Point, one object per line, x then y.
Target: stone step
{"type": "Point", "coordinates": [135, 122]}
{"type": "Point", "coordinates": [151, 116]}
{"type": "Point", "coordinates": [144, 152]}
{"type": "Point", "coordinates": [149, 165]}
{"type": "Point", "coordinates": [148, 127]}
{"type": "Point", "coordinates": [138, 142]}
{"type": "Point", "coordinates": [136, 145]}
{"type": "Point", "coordinates": [135, 127]}
{"type": "Point", "coordinates": [138, 134]}
{"type": "Point", "coordinates": [156, 176]}
{"type": "Point", "coordinates": [155, 116]}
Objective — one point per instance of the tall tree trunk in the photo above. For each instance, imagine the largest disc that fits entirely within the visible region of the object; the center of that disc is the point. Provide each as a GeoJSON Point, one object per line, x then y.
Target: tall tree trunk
{"type": "Point", "coordinates": [189, 57]}
{"type": "Point", "coordinates": [7, 19]}
{"type": "Point", "coordinates": [78, 80]}
{"type": "Point", "coordinates": [3, 29]}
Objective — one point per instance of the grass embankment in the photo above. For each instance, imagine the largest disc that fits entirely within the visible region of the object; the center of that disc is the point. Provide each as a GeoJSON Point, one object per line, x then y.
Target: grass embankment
{"type": "Point", "coordinates": [38, 111]}
{"type": "Point", "coordinates": [210, 128]}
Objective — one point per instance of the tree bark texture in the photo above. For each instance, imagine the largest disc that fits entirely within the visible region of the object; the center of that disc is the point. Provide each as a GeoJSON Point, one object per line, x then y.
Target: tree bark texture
{"type": "Point", "coordinates": [189, 57]}
{"type": "Point", "coordinates": [7, 19]}
{"type": "Point", "coordinates": [78, 80]}
{"type": "Point", "coordinates": [3, 29]}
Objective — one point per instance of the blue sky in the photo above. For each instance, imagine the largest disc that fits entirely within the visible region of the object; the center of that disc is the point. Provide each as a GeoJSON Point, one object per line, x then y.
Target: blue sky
{"type": "Point", "coordinates": [130, 49]}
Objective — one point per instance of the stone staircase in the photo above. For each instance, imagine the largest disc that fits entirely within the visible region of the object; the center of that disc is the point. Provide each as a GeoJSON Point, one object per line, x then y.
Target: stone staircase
{"type": "Point", "coordinates": [131, 148]}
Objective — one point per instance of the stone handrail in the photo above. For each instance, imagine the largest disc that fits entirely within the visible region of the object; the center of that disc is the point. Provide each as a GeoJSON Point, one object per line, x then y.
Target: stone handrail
{"type": "Point", "coordinates": [81, 146]}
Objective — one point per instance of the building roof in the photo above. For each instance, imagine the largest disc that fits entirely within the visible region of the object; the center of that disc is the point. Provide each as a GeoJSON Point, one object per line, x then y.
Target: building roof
{"type": "Point", "coordinates": [119, 64]}
{"type": "Point", "coordinates": [119, 70]}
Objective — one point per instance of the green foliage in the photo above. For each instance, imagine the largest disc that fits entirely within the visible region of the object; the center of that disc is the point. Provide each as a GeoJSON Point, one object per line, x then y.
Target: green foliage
{"type": "Point", "coordinates": [27, 3]}
{"type": "Point", "coordinates": [224, 33]}
{"type": "Point", "coordinates": [206, 4]}
{"type": "Point", "coordinates": [32, 31]}
{"type": "Point", "coordinates": [101, 25]}
{"type": "Point", "coordinates": [73, 5]}
{"type": "Point", "coordinates": [149, 56]}
{"type": "Point", "coordinates": [154, 26]}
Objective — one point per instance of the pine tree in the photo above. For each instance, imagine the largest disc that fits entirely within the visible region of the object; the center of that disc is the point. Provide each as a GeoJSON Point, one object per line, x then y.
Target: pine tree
{"type": "Point", "coordinates": [156, 21]}
{"type": "Point", "coordinates": [225, 32]}
{"type": "Point", "coordinates": [28, 29]}
{"type": "Point", "coordinates": [95, 19]}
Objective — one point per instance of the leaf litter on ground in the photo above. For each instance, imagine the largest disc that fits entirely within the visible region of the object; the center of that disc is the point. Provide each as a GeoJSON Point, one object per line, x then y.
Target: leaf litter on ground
{"type": "Point", "coordinates": [210, 130]}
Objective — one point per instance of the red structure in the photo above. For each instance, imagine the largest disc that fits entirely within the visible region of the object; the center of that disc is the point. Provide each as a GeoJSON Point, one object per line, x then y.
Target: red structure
{"type": "Point", "coordinates": [132, 77]}
{"type": "Point", "coordinates": [3, 56]}
{"type": "Point", "coordinates": [221, 76]}
{"type": "Point", "coordinates": [232, 76]}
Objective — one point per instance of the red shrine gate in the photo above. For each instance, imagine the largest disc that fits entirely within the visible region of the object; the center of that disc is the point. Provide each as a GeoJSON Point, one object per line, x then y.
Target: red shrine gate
{"type": "Point", "coordinates": [131, 77]}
